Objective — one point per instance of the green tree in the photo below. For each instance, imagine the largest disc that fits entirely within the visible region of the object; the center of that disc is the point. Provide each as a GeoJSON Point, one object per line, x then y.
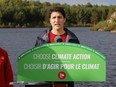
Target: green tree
{"type": "Point", "coordinates": [94, 17]}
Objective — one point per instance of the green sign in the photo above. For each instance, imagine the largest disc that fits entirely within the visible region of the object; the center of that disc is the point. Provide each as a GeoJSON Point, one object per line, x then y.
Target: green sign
{"type": "Point", "coordinates": [61, 62]}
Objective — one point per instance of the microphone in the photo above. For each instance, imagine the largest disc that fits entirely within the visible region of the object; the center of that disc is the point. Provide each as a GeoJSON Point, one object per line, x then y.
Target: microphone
{"type": "Point", "coordinates": [58, 39]}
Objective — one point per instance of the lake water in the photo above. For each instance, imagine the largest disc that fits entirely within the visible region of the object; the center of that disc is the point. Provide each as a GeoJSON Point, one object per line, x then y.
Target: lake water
{"type": "Point", "coordinates": [18, 40]}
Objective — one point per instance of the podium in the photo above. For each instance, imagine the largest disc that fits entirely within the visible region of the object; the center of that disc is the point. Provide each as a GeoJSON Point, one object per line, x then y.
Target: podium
{"type": "Point", "coordinates": [55, 84]}
{"type": "Point", "coordinates": [54, 62]}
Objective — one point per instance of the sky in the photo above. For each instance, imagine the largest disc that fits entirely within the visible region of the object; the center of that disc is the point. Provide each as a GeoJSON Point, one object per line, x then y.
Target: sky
{"type": "Point", "coordinates": [76, 2]}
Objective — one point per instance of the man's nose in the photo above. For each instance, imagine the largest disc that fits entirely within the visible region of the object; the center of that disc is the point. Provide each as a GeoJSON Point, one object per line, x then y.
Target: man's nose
{"type": "Point", "coordinates": [57, 19]}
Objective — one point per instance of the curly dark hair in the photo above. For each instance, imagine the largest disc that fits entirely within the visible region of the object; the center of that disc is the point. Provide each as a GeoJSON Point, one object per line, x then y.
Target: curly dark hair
{"type": "Point", "coordinates": [57, 9]}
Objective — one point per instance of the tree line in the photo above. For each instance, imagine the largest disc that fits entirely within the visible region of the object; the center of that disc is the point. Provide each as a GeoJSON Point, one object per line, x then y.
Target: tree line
{"type": "Point", "coordinates": [29, 13]}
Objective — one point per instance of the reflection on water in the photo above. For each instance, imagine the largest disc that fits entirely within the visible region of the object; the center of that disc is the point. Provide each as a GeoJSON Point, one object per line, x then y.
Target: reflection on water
{"type": "Point", "coordinates": [16, 41]}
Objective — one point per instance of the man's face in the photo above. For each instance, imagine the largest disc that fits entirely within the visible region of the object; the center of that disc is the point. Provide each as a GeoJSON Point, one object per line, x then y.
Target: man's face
{"type": "Point", "coordinates": [57, 20]}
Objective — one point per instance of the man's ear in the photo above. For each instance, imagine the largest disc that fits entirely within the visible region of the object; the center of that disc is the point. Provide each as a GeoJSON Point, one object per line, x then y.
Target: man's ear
{"type": "Point", "coordinates": [64, 20]}
{"type": "Point", "coordinates": [49, 21]}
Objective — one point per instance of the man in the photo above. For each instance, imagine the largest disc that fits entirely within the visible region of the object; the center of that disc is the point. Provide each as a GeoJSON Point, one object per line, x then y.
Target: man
{"type": "Point", "coordinates": [6, 74]}
{"type": "Point", "coordinates": [57, 19]}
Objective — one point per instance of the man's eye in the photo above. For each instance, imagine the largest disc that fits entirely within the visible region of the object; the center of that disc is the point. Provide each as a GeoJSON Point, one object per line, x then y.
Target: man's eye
{"type": "Point", "coordinates": [59, 17]}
